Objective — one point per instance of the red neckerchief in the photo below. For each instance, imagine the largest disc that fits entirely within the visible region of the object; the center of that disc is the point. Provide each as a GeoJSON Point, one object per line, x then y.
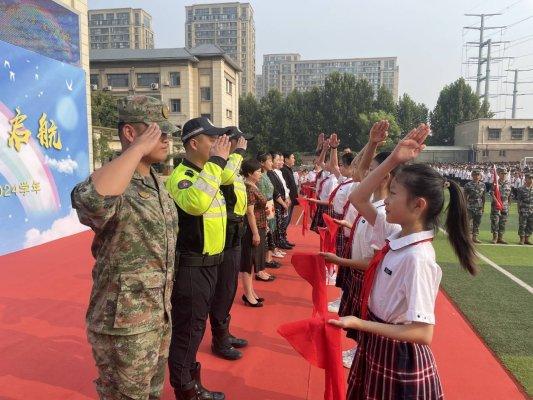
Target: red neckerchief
{"type": "Point", "coordinates": [370, 275]}
{"type": "Point", "coordinates": [332, 195]}
{"type": "Point", "coordinates": [321, 186]}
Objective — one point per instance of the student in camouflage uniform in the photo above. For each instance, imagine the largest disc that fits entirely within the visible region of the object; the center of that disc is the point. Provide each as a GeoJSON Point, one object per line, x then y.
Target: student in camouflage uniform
{"type": "Point", "coordinates": [498, 219]}
{"type": "Point", "coordinates": [135, 224]}
{"type": "Point", "coordinates": [524, 197]}
{"type": "Point", "coordinates": [475, 196]}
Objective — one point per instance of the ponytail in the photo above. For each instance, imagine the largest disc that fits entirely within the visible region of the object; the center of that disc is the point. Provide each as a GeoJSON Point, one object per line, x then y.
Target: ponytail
{"type": "Point", "coordinates": [423, 181]}
{"type": "Point", "coordinates": [458, 228]}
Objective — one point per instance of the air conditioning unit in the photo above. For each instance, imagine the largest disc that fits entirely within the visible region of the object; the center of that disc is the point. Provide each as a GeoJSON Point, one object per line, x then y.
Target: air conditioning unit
{"type": "Point", "coordinates": [108, 88]}
{"type": "Point", "coordinates": [154, 86]}
{"type": "Point", "coordinates": [167, 83]}
{"type": "Point", "coordinates": [94, 87]}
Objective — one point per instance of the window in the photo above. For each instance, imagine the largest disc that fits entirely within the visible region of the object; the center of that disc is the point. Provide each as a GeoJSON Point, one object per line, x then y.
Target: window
{"type": "Point", "coordinates": [502, 153]}
{"type": "Point", "coordinates": [145, 80]}
{"type": "Point", "coordinates": [118, 80]}
{"type": "Point", "coordinates": [205, 93]}
{"type": "Point", "coordinates": [95, 79]}
{"type": "Point", "coordinates": [229, 114]}
{"type": "Point", "coordinates": [530, 133]}
{"type": "Point", "coordinates": [485, 153]}
{"type": "Point", "coordinates": [174, 79]}
{"type": "Point", "coordinates": [494, 134]}
{"type": "Point", "coordinates": [175, 105]}
{"type": "Point", "coordinates": [517, 134]}
{"type": "Point", "coordinates": [208, 116]}
{"type": "Point", "coordinates": [229, 87]}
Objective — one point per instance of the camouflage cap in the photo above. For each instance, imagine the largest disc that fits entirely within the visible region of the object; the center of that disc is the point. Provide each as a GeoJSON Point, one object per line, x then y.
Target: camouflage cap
{"type": "Point", "coordinates": [146, 109]}
{"type": "Point", "coordinates": [476, 172]}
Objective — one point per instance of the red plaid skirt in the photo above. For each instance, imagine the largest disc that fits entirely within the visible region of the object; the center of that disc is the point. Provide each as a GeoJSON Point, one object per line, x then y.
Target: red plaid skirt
{"type": "Point", "coordinates": [318, 220]}
{"type": "Point", "coordinates": [388, 369]}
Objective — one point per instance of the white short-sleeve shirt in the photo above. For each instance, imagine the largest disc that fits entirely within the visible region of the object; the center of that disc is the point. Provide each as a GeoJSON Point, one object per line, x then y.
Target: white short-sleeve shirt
{"type": "Point", "coordinates": [362, 244]}
{"type": "Point", "coordinates": [341, 197]}
{"type": "Point", "coordinates": [382, 229]}
{"type": "Point", "coordinates": [329, 184]}
{"type": "Point", "coordinates": [407, 281]}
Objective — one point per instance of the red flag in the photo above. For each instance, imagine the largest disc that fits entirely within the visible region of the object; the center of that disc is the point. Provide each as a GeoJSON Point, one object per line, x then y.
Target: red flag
{"type": "Point", "coordinates": [320, 344]}
{"type": "Point", "coordinates": [311, 267]}
{"type": "Point", "coordinates": [496, 189]}
{"type": "Point", "coordinates": [305, 214]}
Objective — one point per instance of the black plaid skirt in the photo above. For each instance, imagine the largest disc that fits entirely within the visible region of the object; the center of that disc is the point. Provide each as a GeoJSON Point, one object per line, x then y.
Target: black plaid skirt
{"type": "Point", "coordinates": [388, 369]}
{"type": "Point", "coordinates": [318, 220]}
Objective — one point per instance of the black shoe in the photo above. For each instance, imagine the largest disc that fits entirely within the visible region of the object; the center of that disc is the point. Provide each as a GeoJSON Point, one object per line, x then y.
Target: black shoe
{"type": "Point", "coordinates": [284, 246]}
{"type": "Point", "coordinates": [202, 392]}
{"type": "Point", "coordinates": [238, 343]}
{"type": "Point", "coordinates": [269, 279]}
{"type": "Point", "coordinates": [291, 244]}
{"type": "Point", "coordinates": [227, 353]}
{"type": "Point", "coordinates": [187, 392]}
{"type": "Point", "coordinates": [273, 265]}
{"type": "Point", "coordinates": [249, 304]}
{"type": "Point", "coordinates": [260, 299]}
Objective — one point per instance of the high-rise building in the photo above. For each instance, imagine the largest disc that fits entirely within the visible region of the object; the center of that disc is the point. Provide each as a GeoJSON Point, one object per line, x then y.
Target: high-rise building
{"type": "Point", "coordinates": [288, 71]}
{"type": "Point", "coordinates": [120, 28]}
{"type": "Point", "coordinates": [229, 25]}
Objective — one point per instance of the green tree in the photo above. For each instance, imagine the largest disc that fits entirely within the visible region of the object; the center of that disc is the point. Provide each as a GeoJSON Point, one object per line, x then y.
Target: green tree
{"type": "Point", "coordinates": [410, 114]}
{"type": "Point", "coordinates": [457, 103]}
{"type": "Point", "coordinates": [385, 101]}
{"type": "Point", "coordinates": [367, 120]}
{"type": "Point", "coordinates": [104, 109]}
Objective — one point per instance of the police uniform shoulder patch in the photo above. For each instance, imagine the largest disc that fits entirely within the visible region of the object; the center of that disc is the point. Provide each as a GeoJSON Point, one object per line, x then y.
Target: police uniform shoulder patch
{"type": "Point", "coordinates": [184, 184]}
{"type": "Point", "coordinates": [189, 173]}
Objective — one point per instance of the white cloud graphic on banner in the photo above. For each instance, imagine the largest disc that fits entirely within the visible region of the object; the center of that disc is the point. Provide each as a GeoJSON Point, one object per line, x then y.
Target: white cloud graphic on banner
{"type": "Point", "coordinates": [61, 227]}
{"type": "Point", "coordinates": [65, 166]}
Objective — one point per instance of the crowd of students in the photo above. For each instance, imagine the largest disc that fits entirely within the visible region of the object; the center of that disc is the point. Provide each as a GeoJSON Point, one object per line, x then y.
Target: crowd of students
{"type": "Point", "coordinates": [389, 212]}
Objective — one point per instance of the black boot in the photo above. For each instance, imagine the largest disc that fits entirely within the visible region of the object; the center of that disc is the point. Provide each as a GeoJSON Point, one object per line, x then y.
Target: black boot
{"type": "Point", "coordinates": [203, 393]}
{"type": "Point", "coordinates": [221, 344]}
{"type": "Point", "coordinates": [237, 343]}
{"type": "Point", "coordinates": [188, 392]}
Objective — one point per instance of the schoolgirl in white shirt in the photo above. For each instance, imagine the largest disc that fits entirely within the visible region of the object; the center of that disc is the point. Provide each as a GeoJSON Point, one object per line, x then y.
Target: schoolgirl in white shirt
{"type": "Point", "coordinates": [400, 286]}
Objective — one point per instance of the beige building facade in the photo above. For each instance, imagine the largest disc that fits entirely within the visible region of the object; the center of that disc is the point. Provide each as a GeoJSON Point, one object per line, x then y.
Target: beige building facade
{"type": "Point", "coordinates": [287, 72]}
{"type": "Point", "coordinates": [120, 28]}
{"type": "Point", "coordinates": [202, 81]}
{"type": "Point", "coordinates": [230, 26]}
{"type": "Point", "coordinates": [496, 140]}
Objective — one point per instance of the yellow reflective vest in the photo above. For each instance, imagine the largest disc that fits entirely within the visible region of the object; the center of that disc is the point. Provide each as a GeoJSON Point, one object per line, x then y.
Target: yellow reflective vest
{"type": "Point", "coordinates": [201, 205]}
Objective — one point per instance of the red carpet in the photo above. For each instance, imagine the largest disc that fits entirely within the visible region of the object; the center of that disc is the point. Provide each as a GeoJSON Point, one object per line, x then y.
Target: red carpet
{"type": "Point", "coordinates": [44, 353]}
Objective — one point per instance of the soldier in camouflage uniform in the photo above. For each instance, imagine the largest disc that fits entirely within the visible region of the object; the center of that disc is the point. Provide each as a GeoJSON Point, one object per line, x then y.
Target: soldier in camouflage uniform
{"type": "Point", "coordinates": [475, 196]}
{"type": "Point", "coordinates": [524, 199]}
{"type": "Point", "coordinates": [498, 219]}
{"type": "Point", "coordinates": [135, 225]}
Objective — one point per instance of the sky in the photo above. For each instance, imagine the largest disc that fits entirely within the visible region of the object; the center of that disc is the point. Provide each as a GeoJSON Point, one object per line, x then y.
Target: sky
{"type": "Point", "coordinates": [427, 36]}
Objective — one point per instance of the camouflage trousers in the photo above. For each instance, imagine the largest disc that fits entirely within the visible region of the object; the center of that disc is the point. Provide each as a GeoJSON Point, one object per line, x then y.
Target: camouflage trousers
{"type": "Point", "coordinates": [474, 217]}
{"type": "Point", "coordinates": [130, 367]}
{"type": "Point", "coordinates": [498, 219]}
{"type": "Point", "coordinates": [525, 224]}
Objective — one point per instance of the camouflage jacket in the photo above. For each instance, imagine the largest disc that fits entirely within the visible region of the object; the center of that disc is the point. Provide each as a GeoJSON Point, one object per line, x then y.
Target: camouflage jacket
{"type": "Point", "coordinates": [475, 195]}
{"type": "Point", "coordinates": [524, 199]}
{"type": "Point", "coordinates": [505, 192]}
{"type": "Point", "coordinates": [134, 248]}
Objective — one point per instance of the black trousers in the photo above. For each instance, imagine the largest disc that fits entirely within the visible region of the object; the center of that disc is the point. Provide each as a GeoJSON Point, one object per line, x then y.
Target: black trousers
{"type": "Point", "coordinates": [192, 296]}
{"type": "Point", "coordinates": [226, 287]}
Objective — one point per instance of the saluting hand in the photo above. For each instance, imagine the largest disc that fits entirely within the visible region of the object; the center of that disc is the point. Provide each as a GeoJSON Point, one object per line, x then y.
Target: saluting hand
{"type": "Point", "coordinates": [379, 131]}
{"type": "Point", "coordinates": [148, 139]}
{"type": "Point", "coordinates": [334, 141]}
{"type": "Point", "coordinates": [410, 147]}
{"type": "Point", "coordinates": [242, 143]}
{"type": "Point", "coordinates": [221, 147]}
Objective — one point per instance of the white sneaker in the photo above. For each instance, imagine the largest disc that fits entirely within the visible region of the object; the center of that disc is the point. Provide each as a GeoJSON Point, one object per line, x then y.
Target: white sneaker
{"type": "Point", "coordinates": [348, 356]}
{"type": "Point", "coordinates": [333, 307]}
{"type": "Point", "coordinates": [278, 255]}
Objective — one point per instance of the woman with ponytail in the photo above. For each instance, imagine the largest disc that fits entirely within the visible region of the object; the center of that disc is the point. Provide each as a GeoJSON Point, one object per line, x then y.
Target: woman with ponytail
{"type": "Point", "coordinates": [400, 285]}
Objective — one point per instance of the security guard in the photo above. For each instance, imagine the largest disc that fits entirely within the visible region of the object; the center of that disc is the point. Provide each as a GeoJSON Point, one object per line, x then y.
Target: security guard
{"type": "Point", "coordinates": [475, 198]}
{"type": "Point", "coordinates": [135, 224]}
{"type": "Point", "coordinates": [524, 199]}
{"type": "Point", "coordinates": [195, 188]}
{"type": "Point", "coordinates": [224, 344]}
{"type": "Point", "coordinates": [498, 219]}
